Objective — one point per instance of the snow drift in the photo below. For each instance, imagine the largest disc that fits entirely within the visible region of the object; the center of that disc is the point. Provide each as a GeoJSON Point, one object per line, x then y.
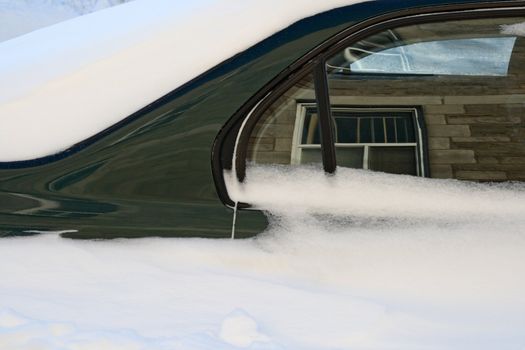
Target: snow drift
{"type": "Point", "coordinates": [367, 194]}
{"type": "Point", "coordinates": [362, 278]}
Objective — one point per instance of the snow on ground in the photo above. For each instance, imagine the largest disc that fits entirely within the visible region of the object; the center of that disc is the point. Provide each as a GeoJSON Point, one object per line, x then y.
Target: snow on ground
{"type": "Point", "coordinates": [22, 16]}
{"type": "Point", "coordinates": [312, 281]}
{"type": "Point", "coordinates": [70, 76]}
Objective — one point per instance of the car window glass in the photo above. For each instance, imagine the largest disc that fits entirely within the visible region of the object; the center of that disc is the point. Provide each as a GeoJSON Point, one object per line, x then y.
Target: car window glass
{"type": "Point", "coordinates": [443, 99]}
{"type": "Point", "coordinates": [288, 131]}
{"type": "Point", "coordinates": [477, 56]}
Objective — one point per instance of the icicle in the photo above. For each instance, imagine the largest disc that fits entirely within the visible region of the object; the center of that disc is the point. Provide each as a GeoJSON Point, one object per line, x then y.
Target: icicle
{"type": "Point", "coordinates": [234, 219]}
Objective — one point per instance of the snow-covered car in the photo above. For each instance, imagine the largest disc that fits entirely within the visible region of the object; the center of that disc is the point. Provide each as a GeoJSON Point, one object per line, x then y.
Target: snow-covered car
{"type": "Point", "coordinates": [149, 127]}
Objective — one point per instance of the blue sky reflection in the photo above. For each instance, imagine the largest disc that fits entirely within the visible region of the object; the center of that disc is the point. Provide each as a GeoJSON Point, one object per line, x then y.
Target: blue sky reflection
{"type": "Point", "coordinates": [478, 57]}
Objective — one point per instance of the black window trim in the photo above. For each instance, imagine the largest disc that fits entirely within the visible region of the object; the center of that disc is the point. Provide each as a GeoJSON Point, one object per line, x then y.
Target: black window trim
{"type": "Point", "coordinates": [243, 121]}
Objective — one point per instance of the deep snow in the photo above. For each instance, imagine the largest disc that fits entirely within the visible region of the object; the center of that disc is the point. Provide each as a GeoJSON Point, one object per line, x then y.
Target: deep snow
{"type": "Point", "coordinates": [359, 279]}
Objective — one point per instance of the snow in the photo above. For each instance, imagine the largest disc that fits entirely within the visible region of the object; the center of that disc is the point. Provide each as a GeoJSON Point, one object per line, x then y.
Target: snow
{"type": "Point", "coordinates": [70, 76]}
{"type": "Point", "coordinates": [517, 29]}
{"type": "Point", "coordinates": [361, 193]}
{"type": "Point", "coordinates": [316, 279]}
{"type": "Point", "coordinates": [23, 16]}
{"type": "Point", "coordinates": [240, 330]}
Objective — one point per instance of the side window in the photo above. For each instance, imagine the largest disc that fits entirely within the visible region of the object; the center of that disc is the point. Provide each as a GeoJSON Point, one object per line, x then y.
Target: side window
{"type": "Point", "coordinates": [439, 98]}
{"type": "Point", "coordinates": [464, 78]}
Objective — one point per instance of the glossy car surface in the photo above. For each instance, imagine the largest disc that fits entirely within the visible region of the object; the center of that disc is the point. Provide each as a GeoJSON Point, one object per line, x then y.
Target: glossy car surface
{"type": "Point", "coordinates": [159, 171]}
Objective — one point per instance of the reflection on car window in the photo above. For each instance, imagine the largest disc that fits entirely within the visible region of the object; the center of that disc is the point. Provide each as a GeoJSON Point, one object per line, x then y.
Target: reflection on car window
{"type": "Point", "coordinates": [465, 79]}
{"type": "Point", "coordinates": [272, 138]}
{"type": "Point", "coordinates": [439, 99]}
{"type": "Point", "coordinates": [381, 139]}
{"type": "Point", "coordinates": [475, 56]}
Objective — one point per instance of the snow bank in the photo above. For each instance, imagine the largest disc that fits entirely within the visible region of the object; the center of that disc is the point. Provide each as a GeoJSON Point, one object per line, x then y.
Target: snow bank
{"type": "Point", "coordinates": [366, 194]}
{"type": "Point", "coordinates": [86, 74]}
{"type": "Point", "coordinates": [312, 281]}
{"type": "Point", "coordinates": [299, 287]}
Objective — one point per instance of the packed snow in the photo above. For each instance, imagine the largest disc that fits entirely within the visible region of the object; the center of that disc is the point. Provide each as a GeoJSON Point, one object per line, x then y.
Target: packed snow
{"type": "Point", "coordinates": [362, 193]}
{"type": "Point", "coordinates": [331, 275]}
{"type": "Point", "coordinates": [70, 76]}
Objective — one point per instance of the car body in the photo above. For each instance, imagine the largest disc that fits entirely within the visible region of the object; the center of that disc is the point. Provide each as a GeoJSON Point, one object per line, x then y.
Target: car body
{"type": "Point", "coordinates": [160, 170]}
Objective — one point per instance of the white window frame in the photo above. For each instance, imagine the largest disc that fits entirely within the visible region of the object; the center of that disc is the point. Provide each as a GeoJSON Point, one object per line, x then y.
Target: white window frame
{"type": "Point", "coordinates": [302, 108]}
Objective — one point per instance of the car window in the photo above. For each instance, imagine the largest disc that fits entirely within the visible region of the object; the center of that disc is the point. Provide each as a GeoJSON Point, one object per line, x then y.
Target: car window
{"type": "Point", "coordinates": [473, 56]}
{"type": "Point", "coordinates": [442, 99]}
{"type": "Point", "coordinates": [291, 120]}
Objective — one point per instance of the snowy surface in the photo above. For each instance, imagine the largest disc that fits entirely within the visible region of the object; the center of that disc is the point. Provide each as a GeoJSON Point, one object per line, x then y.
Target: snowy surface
{"type": "Point", "coordinates": [22, 16]}
{"type": "Point", "coordinates": [363, 194]}
{"type": "Point", "coordinates": [517, 29]}
{"type": "Point", "coordinates": [312, 281]}
{"type": "Point", "coordinates": [70, 76]}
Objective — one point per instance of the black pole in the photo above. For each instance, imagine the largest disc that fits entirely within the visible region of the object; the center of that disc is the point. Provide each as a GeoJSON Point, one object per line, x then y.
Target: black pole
{"type": "Point", "coordinates": [325, 117]}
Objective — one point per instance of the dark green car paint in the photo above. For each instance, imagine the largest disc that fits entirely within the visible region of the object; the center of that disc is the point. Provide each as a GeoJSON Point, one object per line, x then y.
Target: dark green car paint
{"type": "Point", "coordinates": [151, 174]}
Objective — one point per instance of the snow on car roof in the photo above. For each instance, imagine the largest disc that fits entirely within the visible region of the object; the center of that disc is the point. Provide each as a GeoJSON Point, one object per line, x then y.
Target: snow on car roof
{"type": "Point", "coordinates": [65, 83]}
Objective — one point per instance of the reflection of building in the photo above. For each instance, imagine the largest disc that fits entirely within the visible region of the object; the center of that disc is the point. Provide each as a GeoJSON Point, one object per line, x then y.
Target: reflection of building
{"type": "Point", "coordinates": [472, 125]}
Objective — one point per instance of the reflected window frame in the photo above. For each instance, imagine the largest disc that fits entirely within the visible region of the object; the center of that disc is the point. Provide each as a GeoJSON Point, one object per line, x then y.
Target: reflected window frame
{"type": "Point", "coordinates": [420, 143]}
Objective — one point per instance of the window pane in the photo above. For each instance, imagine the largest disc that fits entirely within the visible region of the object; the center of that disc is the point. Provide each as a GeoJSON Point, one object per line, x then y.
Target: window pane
{"type": "Point", "coordinates": [311, 156]}
{"type": "Point", "coordinates": [401, 128]}
{"type": "Point", "coordinates": [361, 126]}
{"type": "Point", "coordinates": [350, 157]}
{"type": "Point", "coordinates": [346, 129]}
{"type": "Point", "coordinates": [365, 130]}
{"type": "Point", "coordinates": [479, 56]}
{"type": "Point", "coordinates": [311, 129]}
{"type": "Point", "coordinates": [378, 130]}
{"type": "Point", "coordinates": [394, 160]}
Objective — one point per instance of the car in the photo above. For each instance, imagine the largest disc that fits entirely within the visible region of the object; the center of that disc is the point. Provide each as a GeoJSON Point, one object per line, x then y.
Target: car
{"type": "Point", "coordinates": [426, 88]}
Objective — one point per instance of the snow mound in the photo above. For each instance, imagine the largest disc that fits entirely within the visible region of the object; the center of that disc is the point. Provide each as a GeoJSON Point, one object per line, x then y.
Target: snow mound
{"type": "Point", "coordinates": [372, 195]}
{"type": "Point", "coordinates": [240, 330]}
